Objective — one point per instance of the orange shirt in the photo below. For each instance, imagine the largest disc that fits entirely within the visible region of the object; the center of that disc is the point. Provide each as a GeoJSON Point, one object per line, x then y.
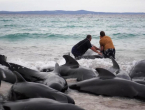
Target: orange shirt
{"type": "Point", "coordinates": [106, 42]}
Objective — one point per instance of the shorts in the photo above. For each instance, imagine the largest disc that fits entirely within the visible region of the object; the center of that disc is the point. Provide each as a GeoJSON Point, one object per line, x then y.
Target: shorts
{"type": "Point", "coordinates": [75, 53]}
{"type": "Point", "coordinates": [109, 52]}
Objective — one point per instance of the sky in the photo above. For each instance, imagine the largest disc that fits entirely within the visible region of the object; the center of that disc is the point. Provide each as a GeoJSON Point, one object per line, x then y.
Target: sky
{"type": "Point", "coordinates": [73, 5]}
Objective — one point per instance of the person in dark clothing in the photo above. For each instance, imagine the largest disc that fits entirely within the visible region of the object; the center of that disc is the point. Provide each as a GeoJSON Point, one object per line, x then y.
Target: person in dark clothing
{"type": "Point", "coordinates": [81, 47]}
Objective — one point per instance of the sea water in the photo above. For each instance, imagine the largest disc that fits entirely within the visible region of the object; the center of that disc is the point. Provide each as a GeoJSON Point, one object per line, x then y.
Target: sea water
{"type": "Point", "coordinates": [39, 41]}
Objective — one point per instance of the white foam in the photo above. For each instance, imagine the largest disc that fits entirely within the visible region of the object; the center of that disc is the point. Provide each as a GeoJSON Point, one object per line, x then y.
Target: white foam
{"type": "Point", "coordinates": [89, 63]}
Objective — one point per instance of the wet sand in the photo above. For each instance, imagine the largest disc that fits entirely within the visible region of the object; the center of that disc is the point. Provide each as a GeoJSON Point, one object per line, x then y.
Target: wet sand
{"type": "Point", "coordinates": [93, 102]}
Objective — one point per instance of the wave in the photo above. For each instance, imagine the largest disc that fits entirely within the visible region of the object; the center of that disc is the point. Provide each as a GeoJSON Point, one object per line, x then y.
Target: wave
{"type": "Point", "coordinates": [15, 37]}
{"type": "Point", "coordinates": [10, 25]}
{"type": "Point", "coordinates": [124, 35]}
{"type": "Point", "coordinates": [5, 20]}
{"type": "Point", "coordinates": [25, 36]}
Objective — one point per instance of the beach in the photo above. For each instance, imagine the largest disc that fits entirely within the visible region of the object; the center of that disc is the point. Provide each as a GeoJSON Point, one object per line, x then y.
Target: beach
{"type": "Point", "coordinates": [40, 41]}
{"type": "Point", "coordinates": [92, 102]}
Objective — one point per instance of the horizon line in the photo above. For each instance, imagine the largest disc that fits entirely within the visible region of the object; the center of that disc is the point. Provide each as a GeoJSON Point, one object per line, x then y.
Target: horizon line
{"type": "Point", "coordinates": [68, 11]}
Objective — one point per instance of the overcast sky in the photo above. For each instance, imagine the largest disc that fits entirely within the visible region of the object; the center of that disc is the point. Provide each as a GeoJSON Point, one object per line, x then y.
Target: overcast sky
{"type": "Point", "coordinates": [90, 5]}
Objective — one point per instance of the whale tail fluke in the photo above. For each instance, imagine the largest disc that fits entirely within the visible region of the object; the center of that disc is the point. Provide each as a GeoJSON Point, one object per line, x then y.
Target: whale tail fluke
{"type": "Point", "coordinates": [74, 86]}
{"type": "Point", "coordinates": [70, 100]}
{"type": "Point", "coordinates": [115, 68]}
{"type": "Point", "coordinates": [56, 69]}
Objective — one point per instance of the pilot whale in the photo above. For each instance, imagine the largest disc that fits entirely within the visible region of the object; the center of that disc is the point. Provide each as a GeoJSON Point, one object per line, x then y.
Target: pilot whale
{"type": "Point", "coordinates": [111, 82]}
{"type": "Point", "coordinates": [9, 75]}
{"type": "Point", "coordinates": [115, 71]}
{"type": "Point", "coordinates": [111, 86]}
{"type": "Point", "coordinates": [72, 69]}
{"type": "Point", "coordinates": [137, 73]}
{"type": "Point", "coordinates": [25, 90]}
{"type": "Point", "coordinates": [51, 79]}
{"type": "Point", "coordinates": [38, 104]}
{"type": "Point", "coordinates": [89, 54]}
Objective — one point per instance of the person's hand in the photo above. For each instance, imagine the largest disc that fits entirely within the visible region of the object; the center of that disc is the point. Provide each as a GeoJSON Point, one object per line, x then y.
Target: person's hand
{"type": "Point", "coordinates": [100, 54]}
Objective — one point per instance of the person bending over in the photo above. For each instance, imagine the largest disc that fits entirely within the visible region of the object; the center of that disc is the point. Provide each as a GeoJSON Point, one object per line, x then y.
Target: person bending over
{"type": "Point", "coordinates": [81, 47]}
{"type": "Point", "coordinates": [106, 45]}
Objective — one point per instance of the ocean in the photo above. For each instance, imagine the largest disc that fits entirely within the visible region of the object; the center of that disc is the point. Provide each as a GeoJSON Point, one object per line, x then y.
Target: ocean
{"type": "Point", "coordinates": [39, 41]}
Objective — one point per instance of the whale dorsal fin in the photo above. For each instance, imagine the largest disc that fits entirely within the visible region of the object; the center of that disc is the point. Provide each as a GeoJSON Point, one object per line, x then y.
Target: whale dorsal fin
{"type": "Point", "coordinates": [115, 68]}
{"type": "Point", "coordinates": [56, 69]}
{"type": "Point", "coordinates": [103, 73]}
{"type": "Point", "coordinates": [70, 61]}
{"type": "Point", "coordinates": [19, 78]}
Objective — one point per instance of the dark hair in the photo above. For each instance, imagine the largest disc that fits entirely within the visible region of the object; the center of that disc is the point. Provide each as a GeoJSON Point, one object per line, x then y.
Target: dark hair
{"type": "Point", "coordinates": [102, 33]}
{"type": "Point", "coordinates": [88, 36]}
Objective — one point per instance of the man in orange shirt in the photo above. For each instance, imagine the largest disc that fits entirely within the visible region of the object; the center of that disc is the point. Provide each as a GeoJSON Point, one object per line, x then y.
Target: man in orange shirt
{"type": "Point", "coordinates": [106, 45]}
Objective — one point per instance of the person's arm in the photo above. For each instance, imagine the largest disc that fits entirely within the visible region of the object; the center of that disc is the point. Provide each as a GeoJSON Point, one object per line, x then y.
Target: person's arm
{"type": "Point", "coordinates": [93, 48]}
{"type": "Point", "coordinates": [101, 45]}
{"type": "Point", "coordinates": [102, 48]}
{"type": "Point", "coordinates": [96, 47]}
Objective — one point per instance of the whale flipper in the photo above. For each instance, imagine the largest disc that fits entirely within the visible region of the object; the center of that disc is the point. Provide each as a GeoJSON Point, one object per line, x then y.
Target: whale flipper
{"type": "Point", "coordinates": [103, 73]}
{"type": "Point", "coordinates": [2, 75]}
{"type": "Point", "coordinates": [70, 61]}
{"type": "Point", "coordinates": [19, 78]}
{"type": "Point", "coordinates": [56, 69]}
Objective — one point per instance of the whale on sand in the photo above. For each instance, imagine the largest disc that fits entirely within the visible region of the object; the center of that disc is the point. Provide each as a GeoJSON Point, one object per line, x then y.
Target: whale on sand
{"type": "Point", "coordinates": [72, 69]}
{"type": "Point", "coordinates": [109, 85]}
{"type": "Point", "coordinates": [137, 73]}
{"type": "Point", "coordinates": [113, 71]}
{"type": "Point", "coordinates": [9, 75]}
{"type": "Point", "coordinates": [25, 90]}
{"type": "Point", "coordinates": [51, 79]}
{"type": "Point", "coordinates": [38, 104]}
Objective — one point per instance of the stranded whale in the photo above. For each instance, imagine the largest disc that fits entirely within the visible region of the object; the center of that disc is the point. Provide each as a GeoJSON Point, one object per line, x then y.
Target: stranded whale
{"type": "Point", "coordinates": [38, 104]}
{"type": "Point", "coordinates": [25, 90]}
{"type": "Point", "coordinates": [51, 79]}
{"type": "Point", "coordinates": [71, 69]}
{"type": "Point", "coordinates": [9, 75]}
{"type": "Point", "coordinates": [137, 73]}
{"type": "Point", "coordinates": [111, 87]}
{"type": "Point", "coordinates": [111, 82]}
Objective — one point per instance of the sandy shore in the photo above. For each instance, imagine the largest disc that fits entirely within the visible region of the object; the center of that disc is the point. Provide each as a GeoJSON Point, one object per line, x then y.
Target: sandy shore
{"type": "Point", "coordinates": [93, 102]}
